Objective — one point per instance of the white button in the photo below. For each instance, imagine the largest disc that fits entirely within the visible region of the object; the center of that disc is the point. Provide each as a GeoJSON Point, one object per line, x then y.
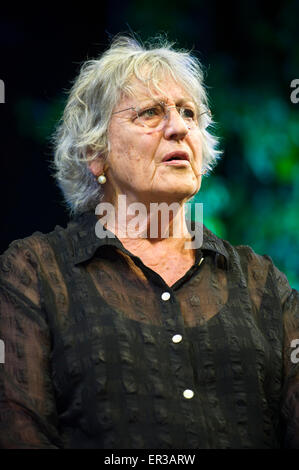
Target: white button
{"type": "Point", "coordinates": [188, 393]}
{"type": "Point", "coordinates": [177, 338]}
{"type": "Point", "coordinates": [165, 296]}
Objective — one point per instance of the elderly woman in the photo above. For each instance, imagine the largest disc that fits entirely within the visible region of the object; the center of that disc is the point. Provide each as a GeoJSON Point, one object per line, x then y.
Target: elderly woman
{"type": "Point", "coordinates": [121, 332]}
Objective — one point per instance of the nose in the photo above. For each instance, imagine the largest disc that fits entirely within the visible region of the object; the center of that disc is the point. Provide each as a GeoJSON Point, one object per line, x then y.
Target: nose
{"type": "Point", "coordinates": [175, 126]}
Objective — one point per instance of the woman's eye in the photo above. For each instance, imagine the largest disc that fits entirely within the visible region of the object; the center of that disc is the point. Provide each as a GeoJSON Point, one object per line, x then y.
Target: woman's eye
{"type": "Point", "coordinates": [187, 113]}
{"type": "Point", "coordinates": [150, 112]}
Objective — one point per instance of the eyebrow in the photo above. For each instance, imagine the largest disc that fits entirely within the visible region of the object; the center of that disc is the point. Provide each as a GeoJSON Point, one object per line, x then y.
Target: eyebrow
{"type": "Point", "coordinates": [163, 99]}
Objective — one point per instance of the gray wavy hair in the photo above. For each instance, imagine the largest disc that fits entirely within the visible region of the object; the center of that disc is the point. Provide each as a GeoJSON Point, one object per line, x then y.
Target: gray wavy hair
{"type": "Point", "coordinates": [82, 132]}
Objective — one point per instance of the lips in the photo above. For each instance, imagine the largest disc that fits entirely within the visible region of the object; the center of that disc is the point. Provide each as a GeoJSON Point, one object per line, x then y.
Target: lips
{"type": "Point", "coordinates": [176, 155]}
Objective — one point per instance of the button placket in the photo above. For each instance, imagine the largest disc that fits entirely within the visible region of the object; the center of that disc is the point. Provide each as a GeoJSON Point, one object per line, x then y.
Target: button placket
{"type": "Point", "coordinates": [179, 354]}
{"type": "Point", "coordinates": [187, 393]}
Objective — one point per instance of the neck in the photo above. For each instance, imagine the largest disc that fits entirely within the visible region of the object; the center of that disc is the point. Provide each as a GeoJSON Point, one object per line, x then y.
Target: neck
{"type": "Point", "coordinates": [159, 226]}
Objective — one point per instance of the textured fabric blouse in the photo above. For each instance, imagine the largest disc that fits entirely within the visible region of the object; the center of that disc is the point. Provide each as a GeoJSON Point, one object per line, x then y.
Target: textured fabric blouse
{"type": "Point", "coordinates": [101, 353]}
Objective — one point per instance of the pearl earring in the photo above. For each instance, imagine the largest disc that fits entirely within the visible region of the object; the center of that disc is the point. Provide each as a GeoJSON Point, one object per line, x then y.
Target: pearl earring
{"type": "Point", "coordinates": [102, 179]}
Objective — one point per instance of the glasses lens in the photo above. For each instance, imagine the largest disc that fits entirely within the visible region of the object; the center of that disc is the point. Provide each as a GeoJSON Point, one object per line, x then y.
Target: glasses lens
{"type": "Point", "coordinates": [151, 116]}
{"type": "Point", "coordinates": [189, 116]}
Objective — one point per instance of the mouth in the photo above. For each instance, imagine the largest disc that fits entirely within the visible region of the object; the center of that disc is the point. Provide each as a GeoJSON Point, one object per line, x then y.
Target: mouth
{"type": "Point", "coordinates": [177, 158]}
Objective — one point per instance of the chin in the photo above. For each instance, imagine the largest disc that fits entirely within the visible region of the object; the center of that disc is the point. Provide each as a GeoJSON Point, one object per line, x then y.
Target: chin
{"type": "Point", "coordinates": [176, 196]}
{"type": "Point", "coordinates": [184, 189]}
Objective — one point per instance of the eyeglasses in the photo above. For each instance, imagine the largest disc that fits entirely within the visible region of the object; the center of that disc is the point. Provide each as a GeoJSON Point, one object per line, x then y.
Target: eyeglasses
{"type": "Point", "coordinates": [155, 116]}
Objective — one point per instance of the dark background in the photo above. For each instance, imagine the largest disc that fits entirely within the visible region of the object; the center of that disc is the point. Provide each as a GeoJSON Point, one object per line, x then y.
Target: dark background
{"type": "Point", "coordinates": [250, 51]}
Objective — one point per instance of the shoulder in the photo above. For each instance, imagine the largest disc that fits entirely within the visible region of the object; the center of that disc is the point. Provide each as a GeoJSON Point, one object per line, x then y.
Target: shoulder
{"type": "Point", "coordinates": [32, 264]}
{"type": "Point", "coordinates": [38, 242]}
{"type": "Point", "coordinates": [23, 256]}
{"type": "Point", "coordinates": [28, 249]}
{"type": "Point", "coordinates": [22, 252]}
{"type": "Point", "coordinates": [240, 257]}
{"type": "Point", "coordinates": [258, 270]}
{"type": "Point", "coordinates": [41, 250]}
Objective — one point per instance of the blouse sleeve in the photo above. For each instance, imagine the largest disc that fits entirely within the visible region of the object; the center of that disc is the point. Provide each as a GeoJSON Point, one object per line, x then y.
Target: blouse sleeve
{"type": "Point", "coordinates": [28, 417]}
{"type": "Point", "coordinates": [290, 392]}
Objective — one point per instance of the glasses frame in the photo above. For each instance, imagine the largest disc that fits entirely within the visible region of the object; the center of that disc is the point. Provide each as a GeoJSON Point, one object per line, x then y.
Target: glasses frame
{"type": "Point", "coordinates": [161, 125]}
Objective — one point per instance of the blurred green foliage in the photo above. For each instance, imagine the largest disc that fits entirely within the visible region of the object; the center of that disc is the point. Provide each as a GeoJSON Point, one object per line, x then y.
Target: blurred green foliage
{"type": "Point", "coordinates": [256, 201]}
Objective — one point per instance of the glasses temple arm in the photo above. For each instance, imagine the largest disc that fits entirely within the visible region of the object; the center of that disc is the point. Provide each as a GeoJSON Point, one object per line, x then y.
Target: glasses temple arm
{"type": "Point", "coordinates": [117, 112]}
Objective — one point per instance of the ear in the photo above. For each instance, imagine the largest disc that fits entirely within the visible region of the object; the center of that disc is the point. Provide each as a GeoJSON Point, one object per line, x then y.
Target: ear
{"type": "Point", "coordinates": [97, 166]}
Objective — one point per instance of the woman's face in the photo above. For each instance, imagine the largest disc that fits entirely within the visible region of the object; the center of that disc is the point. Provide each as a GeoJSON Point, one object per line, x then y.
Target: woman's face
{"type": "Point", "coordinates": [135, 162]}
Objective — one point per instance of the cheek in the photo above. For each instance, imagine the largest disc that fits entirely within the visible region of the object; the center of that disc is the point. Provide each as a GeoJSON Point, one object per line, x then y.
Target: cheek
{"type": "Point", "coordinates": [132, 152]}
{"type": "Point", "coordinates": [197, 149]}
{"type": "Point", "coordinates": [128, 163]}
{"type": "Point", "coordinates": [131, 147]}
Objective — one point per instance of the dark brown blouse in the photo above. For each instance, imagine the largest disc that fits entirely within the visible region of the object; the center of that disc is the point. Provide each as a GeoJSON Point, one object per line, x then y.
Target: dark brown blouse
{"type": "Point", "coordinates": [101, 353]}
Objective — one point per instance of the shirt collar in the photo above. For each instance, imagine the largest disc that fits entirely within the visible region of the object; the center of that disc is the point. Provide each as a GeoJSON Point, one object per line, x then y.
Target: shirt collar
{"type": "Point", "coordinates": [85, 242]}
